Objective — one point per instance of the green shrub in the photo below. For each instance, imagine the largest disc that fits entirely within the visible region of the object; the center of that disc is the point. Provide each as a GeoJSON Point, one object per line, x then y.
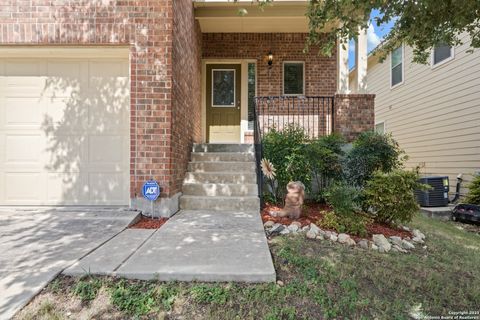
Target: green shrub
{"type": "Point", "coordinates": [391, 195]}
{"type": "Point", "coordinates": [324, 155]}
{"type": "Point", "coordinates": [286, 150]}
{"type": "Point", "coordinates": [473, 196]}
{"type": "Point", "coordinates": [354, 223]}
{"type": "Point", "coordinates": [371, 152]}
{"type": "Point", "coordinates": [344, 199]}
{"type": "Point", "coordinates": [346, 216]}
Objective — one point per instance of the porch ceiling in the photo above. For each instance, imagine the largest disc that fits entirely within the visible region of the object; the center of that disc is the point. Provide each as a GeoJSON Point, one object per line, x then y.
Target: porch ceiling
{"type": "Point", "coordinates": [223, 17]}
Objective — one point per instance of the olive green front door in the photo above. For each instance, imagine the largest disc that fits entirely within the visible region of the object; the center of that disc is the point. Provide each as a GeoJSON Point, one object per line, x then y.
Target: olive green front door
{"type": "Point", "coordinates": [223, 86]}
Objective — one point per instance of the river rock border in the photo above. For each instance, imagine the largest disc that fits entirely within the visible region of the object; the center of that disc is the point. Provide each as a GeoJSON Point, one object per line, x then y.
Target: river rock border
{"type": "Point", "coordinates": [378, 243]}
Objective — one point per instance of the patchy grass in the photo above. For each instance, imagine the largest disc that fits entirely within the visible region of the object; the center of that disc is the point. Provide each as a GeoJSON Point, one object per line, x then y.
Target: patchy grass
{"type": "Point", "coordinates": [321, 281]}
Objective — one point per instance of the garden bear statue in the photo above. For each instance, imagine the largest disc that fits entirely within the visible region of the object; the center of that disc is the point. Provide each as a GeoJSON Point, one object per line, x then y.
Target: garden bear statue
{"type": "Point", "coordinates": [293, 200]}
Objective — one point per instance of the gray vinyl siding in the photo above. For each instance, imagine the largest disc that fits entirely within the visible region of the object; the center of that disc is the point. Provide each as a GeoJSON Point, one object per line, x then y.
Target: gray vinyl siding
{"type": "Point", "coordinates": [435, 113]}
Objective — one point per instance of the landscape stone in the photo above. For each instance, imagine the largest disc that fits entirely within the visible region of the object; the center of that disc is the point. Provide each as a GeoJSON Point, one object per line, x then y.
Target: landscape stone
{"type": "Point", "coordinates": [407, 245]}
{"type": "Point", "coordinates": [293, 227]}
{"type": "Point", "coordinates": [382, 243]}
{"type": "Point", "coordinates": [319, 237]}
{"type": "Point", "coordinates": [374, 247]}
{"type": "Point", "coordinates": [418, 240]}
{"type": "Point", "coordinates": [285, 231]}
{"type": "Point", "coordinates": [297, 224]}
{"type": "Point", "coordinates": [311, 234]}
{"type": "Point", "coordinates": [305, 228]}
{"type": "Point", "coordinates": [333, 237]}
{"type": "Point", "coordinates": [314, 228]}
{"type": "Point", "coordinates": [268, 224]}
{"type": "Point", "coordinates": [418, 234]}
{"type": "Point", "coordinates": [396, 240]}
{"type": "Point", "coordinates": [350, 242]}
{"type": "Point", "coordinates": [343, 238]}
{"type": "Point", "coordinates": [363, 244]}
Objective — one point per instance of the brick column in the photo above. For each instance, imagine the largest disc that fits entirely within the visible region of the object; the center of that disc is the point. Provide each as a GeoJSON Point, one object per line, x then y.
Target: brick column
{"type": "Point", "coordinates": [354, 113]}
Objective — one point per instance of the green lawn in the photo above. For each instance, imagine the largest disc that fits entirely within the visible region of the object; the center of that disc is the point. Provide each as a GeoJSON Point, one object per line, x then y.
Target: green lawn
{"type": "Point", "coordinates": [321, 281]}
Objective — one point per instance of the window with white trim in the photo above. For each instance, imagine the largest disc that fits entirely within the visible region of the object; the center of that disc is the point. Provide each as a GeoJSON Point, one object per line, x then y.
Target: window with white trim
{"type": "Point", "coordinates": [396, 65]}
{"type": "Point", "coordinates": [380, 127]}
{"type": "Point", "coordinates": [441, 53]}
{"type": "Point", "coordinates": [293, 78]}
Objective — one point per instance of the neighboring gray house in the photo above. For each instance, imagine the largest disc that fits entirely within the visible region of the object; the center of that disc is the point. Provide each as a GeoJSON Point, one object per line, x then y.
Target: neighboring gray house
{"type": "Point", "coordinates": [432, 110]}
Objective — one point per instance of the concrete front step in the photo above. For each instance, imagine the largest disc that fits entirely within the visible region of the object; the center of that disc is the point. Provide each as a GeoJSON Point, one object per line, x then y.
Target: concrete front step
{"type": "Point", "coordinates": [219, 189]}
{"type": "Point", "coordinates": [223, 156]}
{"type": "Point", "coordinates": [220, 177]}
{"type": "Point", "coordinates": [206, 147]}
{"type": "Point", "coordinates": [222, 166]}
{"type": "Point", "coordinates": [248, 203]}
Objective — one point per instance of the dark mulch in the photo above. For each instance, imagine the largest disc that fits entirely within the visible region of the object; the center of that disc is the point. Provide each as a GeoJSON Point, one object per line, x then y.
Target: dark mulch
{"type": "Point", "coordinates": [149, 223]}
{"type": "Point", "coordinates": [313, 212]}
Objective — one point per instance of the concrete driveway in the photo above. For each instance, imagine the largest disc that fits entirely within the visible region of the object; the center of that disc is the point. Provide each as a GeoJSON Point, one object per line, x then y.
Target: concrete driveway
{"type": "Point", "coordinates": [38, 243]}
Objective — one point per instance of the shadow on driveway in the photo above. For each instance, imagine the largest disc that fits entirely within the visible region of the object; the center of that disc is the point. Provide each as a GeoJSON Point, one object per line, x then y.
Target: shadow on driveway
{"type": "Point", "coordinates": [38, 243]}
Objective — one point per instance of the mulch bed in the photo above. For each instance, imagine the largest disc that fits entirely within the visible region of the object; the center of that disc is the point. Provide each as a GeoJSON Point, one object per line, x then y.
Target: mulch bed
{"type": "Point", "coordinates": [148, 223]}
{"type": "Point", "coordinates": [312, 213]}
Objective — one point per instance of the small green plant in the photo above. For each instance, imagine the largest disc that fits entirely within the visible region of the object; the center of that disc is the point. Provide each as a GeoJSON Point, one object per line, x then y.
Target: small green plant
{"type": "Point", "coordinates": [473, 196]}
{"type": "Point", "coordinates": [86, 288]}
{"type": "Point", "coordinates": [142, 298]}
{"type": "Point", "coordinates": [355, 223]}
{"type": "Point", "coordinates": [344, 199]}
{"type": "Point", "coordinates": [215, 294]}
{"type": "Point", "coordinates": [372, 152]}
{"type": "Point", "coordinates": [391, 196]}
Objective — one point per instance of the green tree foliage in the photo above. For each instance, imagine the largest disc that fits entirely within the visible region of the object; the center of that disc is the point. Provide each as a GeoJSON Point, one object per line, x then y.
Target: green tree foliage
{"type": "Point", "coordinates": [391, 195]}
{"type": "Point", "coordinates": [371, 152]}
{"type": "Point", "coordinates": [473, 196]}
{"type": "Point", "coordinates": [421, 24]}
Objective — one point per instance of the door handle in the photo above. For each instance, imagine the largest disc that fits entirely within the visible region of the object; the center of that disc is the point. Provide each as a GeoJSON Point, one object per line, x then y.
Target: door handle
{"type": "Point", "coordinates": [238, 104]}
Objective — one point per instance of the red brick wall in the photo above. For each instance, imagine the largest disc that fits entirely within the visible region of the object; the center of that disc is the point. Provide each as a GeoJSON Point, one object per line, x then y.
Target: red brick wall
{"type": "Point", "coordinates": [354, 113]}
{"type": "Point", "coordinates": [186, 111]}
{"type": "Point", "coordinates": [146, 26]}
{"type": "Point", "coordinates": [320, 71]}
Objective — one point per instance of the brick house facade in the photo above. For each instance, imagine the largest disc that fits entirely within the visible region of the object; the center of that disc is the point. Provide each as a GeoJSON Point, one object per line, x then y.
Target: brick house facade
{"type": "Point", "coordinates": [166, 47]}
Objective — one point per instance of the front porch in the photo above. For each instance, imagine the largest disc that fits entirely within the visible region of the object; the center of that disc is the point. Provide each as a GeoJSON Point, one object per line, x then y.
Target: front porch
{"type": "Point", "coordinates": [248, 64]}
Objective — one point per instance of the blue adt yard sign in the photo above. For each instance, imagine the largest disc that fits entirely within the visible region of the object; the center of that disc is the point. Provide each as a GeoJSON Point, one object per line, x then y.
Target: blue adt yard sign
{"type": "Point", "coordinates": [151, 190]}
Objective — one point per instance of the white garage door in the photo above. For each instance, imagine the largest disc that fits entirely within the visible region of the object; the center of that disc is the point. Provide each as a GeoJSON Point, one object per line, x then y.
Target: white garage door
{"type": "Point", "coordinates": [64, 131]}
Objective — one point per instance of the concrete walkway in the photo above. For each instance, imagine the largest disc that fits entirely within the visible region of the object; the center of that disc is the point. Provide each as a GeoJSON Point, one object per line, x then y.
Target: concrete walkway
{"type": "Point", "coordinates": [192, 245]}
{"type": "Point", "coordinates": [37, 244]}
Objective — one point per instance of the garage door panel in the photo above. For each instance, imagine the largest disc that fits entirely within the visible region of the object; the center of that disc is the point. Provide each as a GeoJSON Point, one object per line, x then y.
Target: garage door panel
{"type": "Point", "coordinates": [23, 149]}
{"type": "Point", "coordinates": [107, 187]}
{"type": "Point", "coordinates": [23, 111]}
{"type": "Point", "coordinates": [67, 188]}
{"type": "Point", "coordinates": [106, 149]}
{"type": "Point", "coordinates": [66, 114]}
{"type": "Point", "coordinates": [64, 129]}
{"type": "Point", "coordinates": [24, 187]}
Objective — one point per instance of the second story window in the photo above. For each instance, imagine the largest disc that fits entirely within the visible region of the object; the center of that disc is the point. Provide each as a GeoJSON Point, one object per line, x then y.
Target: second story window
{"type": "Point", "coordinates": [396, 65]}
{"type": "Point", "coordinates": [441, 53]}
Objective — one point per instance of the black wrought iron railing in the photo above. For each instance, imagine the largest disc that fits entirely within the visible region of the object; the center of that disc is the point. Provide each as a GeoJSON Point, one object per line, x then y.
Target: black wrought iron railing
{"type": "Point", "coordinates": [315, 114]}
